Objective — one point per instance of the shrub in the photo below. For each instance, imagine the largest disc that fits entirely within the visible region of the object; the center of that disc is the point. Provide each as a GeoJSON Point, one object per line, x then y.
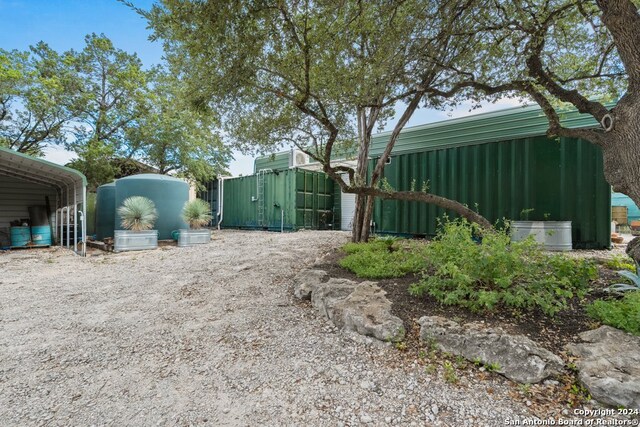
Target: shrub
{"type": "Point", "coordinates": [383, 258]}
{"type": "Point", "coordinates": [496, 271]}
{"type": "Point", "coordinates": [620, 262]}
{"type": "Point", "coordinates": [196, 213]}
{"type": "Point", "coordinates": [622, 314]}
{"type": "Point", "coordinates": [138, 213]}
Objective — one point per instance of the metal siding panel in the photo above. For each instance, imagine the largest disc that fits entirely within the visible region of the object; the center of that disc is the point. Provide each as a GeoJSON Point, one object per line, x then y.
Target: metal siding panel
{"type": "Point", "coordinates": [508, 124]}
{"type": "Point", "coordinates": [562, 179]}
{"type": "Point", "coordinates": [276, 162]}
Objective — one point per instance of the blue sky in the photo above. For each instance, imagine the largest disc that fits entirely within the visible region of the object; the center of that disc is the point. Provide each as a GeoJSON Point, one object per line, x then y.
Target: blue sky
{"type": "Point", "coordinates": [64, 23]}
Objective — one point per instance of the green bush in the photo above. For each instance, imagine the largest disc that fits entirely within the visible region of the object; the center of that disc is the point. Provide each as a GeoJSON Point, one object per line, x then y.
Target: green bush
{"type": "Point", "coordinates": [621, 262]}
{"type": "Point", "coordinates": [496, 271]}
{"type": "Point", "coordinates": [384, 258]}
{"type": "Point", "coordinates": [622, 314]}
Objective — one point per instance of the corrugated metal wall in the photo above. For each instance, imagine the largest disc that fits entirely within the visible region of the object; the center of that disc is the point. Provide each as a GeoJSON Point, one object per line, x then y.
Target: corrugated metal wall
{"type": "Point", "coordinates": [15, 198]}
{"type": "Point", "coordinates": [562, 179]}
{"type": "Point", "coordinates": [305, 198]}
{"type": "Point", "coordinates": [502, 125]}
{"type": "Point", "coordinates": [337, 207]}
{"type": "Point", "coordinates": [276, 162]}
{"type": "Point", "coordinates": [210, 195]}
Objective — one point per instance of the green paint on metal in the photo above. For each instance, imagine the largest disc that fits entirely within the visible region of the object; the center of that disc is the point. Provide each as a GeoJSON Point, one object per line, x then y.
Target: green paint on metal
{"type": "Point", "coordinates": [276, 162]}
{"type": "Point", "coordinates": [503, 125]}
{"type": "Point", "coordinates": [560, 180]}
{"type": "Point", "coordinates": [169, 194]}
{"type": "Point", "coordinates": [337, 206]}
{"type": "Point", "coordinates": [296, 197]}
{"type": "Point", "coordinates": [105, 211]}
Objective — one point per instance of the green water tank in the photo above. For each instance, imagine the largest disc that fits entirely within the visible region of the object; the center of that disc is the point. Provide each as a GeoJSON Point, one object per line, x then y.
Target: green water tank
{"type": "Point", "coordinates": [105, 211]}
{"type": "Point", "coordinates": [169, 195]}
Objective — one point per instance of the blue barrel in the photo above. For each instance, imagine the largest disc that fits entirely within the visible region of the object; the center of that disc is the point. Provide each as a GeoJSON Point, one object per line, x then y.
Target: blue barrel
{"type": "Point", "coordinates": [41, 235]}
{"type": "Point", "coordinates": [20, 236]}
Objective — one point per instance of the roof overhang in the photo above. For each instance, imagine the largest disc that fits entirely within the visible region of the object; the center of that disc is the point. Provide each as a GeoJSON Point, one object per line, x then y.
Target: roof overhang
{"type": "Point", "coordinates": [68, 182]}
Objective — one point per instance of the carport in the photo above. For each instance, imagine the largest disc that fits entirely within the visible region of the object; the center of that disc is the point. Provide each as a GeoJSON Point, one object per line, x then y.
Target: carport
{"type": "Point", "coordinates": [27, 181]}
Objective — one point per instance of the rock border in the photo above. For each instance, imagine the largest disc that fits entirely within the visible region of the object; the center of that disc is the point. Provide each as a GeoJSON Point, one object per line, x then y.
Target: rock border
{"type": "Point", "coordinates": [351, 306]}
{"type": "Point", "coordinates": [608, 359]}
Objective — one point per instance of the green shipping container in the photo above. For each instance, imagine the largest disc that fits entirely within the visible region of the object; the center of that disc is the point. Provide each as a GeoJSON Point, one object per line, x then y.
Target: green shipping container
{"type": "Point", "coordinates": [559, 180]}
{"type": "Point", "coordinates": [292, 198]}
{"type": "Point", "coordinates": [277, 162]}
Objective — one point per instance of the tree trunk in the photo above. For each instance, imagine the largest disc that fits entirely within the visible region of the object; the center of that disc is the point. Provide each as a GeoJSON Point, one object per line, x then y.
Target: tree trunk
{"type": "Point", "coordinates": [366, 220]}
{"type": "Point", "coordinates": [621, 154]}
{"type": "Point", "coordinates": [620, 148]}
{"type": "Point", "coordinates": [360, 226]}
{"type": "Point", "coordinates": [358, 216]}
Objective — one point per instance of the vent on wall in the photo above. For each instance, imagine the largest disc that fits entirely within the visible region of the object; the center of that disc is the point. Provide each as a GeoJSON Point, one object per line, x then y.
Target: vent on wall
{"type": "Point", "coordinates": [298, 158]}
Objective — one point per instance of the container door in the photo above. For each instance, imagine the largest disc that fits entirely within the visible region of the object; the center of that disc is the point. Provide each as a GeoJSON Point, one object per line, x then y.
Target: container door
{"type": "Point", "coordinates": [347, 206]}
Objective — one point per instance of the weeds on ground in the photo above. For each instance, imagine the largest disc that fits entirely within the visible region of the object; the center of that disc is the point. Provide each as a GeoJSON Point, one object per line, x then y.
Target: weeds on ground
{"type": "Point", "coordinates": [384, 258]}
{"type": "Point", "coordinates": [621, 313]}
{"type": "Point", "coordinates": [621, 262]}
{"type": "Point", "coordinates": [450, 375]}
{"type": "Point", "coordinates": [492, 367]}
{"type": "Point", "coordinates": [480, 271]}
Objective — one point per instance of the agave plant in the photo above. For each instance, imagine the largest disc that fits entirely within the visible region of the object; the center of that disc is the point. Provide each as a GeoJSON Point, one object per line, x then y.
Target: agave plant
{"type": "Point", "coordinates": [138, 213]}
{"type": "Point", "coordinates": [624, 287]}
{"type": "Point", "coordinates": [196, 213]}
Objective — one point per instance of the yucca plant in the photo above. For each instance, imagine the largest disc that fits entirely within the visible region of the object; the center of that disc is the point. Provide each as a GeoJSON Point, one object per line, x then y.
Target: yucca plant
{"type": "Point", "coordinates": [196, 213]}
{"type": "Point", "coordinates": [138, 213]}
{"type": "Point", "coordinates": [624, 287]}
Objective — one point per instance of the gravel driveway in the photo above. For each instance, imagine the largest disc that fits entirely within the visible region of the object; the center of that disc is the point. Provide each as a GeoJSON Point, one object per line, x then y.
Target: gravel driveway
{"type": "Point", "coordinates": [208, 335]}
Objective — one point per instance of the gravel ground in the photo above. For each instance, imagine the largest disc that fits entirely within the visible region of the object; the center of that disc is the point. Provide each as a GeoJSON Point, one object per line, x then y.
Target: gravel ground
{"type": "Point", "coordinates": [209, 335]}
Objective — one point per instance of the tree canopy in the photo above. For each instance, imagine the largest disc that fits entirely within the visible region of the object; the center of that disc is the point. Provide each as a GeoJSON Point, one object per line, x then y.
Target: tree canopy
{"type": "Point", "coordinates": [103, 105]}
{"type": "Point", "coordinates": [322, 76]}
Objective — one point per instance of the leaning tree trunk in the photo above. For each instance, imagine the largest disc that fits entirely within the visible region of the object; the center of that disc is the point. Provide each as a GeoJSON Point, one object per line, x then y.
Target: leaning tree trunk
{"type": "Point", "coordinates": [366, 219]}
{"type": "Point", "coordinates": [358, 218]}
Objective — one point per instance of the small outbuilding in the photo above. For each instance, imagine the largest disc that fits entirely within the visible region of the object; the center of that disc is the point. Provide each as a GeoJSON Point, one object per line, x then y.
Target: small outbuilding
{"type": "Point", "coordinates": [31, 187]}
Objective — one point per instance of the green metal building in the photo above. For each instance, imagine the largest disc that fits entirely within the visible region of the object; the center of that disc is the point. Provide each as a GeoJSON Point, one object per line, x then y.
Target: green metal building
{"type": "Point", "coordinates": [502, 163]}
{"type": "Point", "coordinates": [288, 199]}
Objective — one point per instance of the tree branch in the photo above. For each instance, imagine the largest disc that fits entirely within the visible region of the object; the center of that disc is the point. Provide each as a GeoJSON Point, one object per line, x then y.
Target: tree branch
{"type": "Point", "coordinates": [418, 196]}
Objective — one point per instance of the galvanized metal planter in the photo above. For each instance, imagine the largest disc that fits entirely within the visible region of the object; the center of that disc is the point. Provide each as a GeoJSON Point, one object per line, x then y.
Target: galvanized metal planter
{"type": "Point", "coordinates": [194, 237]}
{"type": "Point", "coordinates": [552, 235]}
{"type": "Point", "coordinates": [128, 240]}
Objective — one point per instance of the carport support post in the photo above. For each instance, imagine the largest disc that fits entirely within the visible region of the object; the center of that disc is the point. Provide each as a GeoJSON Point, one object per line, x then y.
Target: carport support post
{"type": "Point", "coordinates": [84, 220]}
{"type": "Point", "coordinates": [75, 219]}
{"type": "Point", "coordinates": [61, 221]}
{"type": "Point", "coordinates": [68, 216]}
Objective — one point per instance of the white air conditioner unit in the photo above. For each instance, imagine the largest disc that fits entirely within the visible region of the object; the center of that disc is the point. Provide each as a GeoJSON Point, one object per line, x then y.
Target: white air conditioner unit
{"type": "Point", "coordinates": [298, 158]}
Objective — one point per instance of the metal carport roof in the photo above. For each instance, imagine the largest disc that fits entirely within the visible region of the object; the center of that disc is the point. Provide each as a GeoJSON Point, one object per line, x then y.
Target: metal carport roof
{"type": "Point", "coordinates": [70, 185]}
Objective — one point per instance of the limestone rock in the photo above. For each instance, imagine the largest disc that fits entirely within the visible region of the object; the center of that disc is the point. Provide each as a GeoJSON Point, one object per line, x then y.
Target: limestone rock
{"type": "Point", "coordinates": [609, 364]}
{"type": "Point", "coordinates": [519, 358]}
{"type": "Point", "coordinates": [368, 311]}
{"type": "Point", "coordinates": [326, 295]}
{"type": "Point", "coordinates": [306, 280]}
